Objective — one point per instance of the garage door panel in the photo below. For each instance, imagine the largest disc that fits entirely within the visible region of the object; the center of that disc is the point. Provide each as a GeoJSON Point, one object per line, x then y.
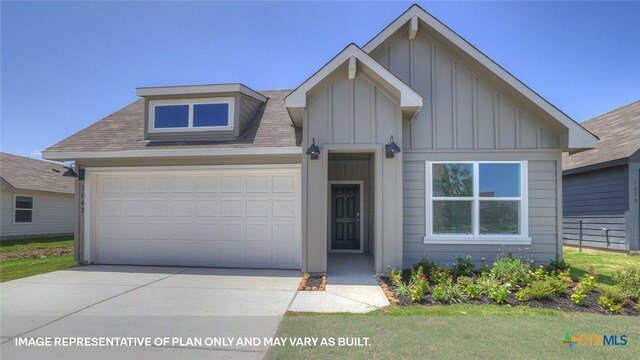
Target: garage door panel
{"type": "Point", "coordinates": [258, 232]}
{"type": "Point", "coordinates": [258, 207]}
{"type": "Point", "coordinates": [232, 232]}
{"type": "Point", "coordinates": [207, 207]}
{"type": "Point", "coordinates": [182, 231]}
{"type": "Point", "coordinates": [207, 232]}
{"type": "Point", "coordinates": [182, 207]}
{"type": "Point", "coordinates": [284, 184]}
{"type": "Point", "coordinates": [234, 207]}
{"type": "Point", "coordinates": [258, 184]}
{"type": "Point", "coordinates": [232, 184]}
{"type": "Point", "coordinates": [111, 207]}
{"type": "Point", "coordinates": [111, 185]}
{"type": "Point", "coordinates": [134, 185]}
{"type": "Point", "coordinates": [156, 230]}
{"type": "Point", "coordinates": [229, 218]}
{"type": "Point", "coordinates": [284, 208]}
{"type": "Point", "coordinates": [181, 185]}
{"type": "Point", "coordinates": [158, 207]}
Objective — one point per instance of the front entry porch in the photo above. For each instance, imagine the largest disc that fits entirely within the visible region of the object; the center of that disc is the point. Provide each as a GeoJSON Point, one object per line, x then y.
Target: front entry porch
{"type": "Point", "coordinates": [351, 287]}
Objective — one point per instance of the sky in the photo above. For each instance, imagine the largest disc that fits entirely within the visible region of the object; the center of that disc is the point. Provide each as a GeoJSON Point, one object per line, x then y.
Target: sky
{"type": "Point", "coordinates": [66, 65]}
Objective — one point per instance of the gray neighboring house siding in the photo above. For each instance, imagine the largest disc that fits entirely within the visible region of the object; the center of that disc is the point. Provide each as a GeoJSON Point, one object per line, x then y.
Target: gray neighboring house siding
{"type": "Point", "coordinates": [601, 185]}
{"type": "Point", "coordinates": [465, 117]}
{"type": "Point", "coordinates": [600, 198]}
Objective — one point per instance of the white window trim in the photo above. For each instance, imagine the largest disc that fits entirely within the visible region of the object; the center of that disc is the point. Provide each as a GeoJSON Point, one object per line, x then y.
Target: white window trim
{"type": "Point", "coordinates": [190, 102]}
{"type": "Point", "coordinates": [13, 215]}
{"type": "Point", "coordinates": [476, 238]}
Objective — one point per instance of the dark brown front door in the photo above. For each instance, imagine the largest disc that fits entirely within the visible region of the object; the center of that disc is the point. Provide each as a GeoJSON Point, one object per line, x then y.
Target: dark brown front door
{"type": "Point", "coordinates": [345, 217]}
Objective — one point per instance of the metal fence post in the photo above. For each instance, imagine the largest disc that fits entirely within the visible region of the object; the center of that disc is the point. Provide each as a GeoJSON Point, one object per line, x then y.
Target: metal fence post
{"type": "Point", "coordinates": [580, 243]}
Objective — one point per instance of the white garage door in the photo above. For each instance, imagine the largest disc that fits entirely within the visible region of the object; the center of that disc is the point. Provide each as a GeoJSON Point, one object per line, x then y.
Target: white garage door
{"type": "Point", "coordinates": [213, 217]}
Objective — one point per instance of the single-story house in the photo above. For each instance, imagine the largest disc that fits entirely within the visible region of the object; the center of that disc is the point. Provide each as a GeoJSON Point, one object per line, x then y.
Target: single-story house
{"type": "Point", "coordinates": [36, 199]}
{"type": "Point", "coordinates": [414, 143]}
{"type": "Point", "coordinates": [602, 185]}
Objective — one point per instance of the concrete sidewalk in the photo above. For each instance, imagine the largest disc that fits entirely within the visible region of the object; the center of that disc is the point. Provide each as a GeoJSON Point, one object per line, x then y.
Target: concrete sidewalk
{"type": "Point", "coordinates": [351, 287]}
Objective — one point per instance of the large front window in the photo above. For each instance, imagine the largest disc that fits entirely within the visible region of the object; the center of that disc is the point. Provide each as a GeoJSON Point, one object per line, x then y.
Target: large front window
{"type": "Point", "coordinates": [476, 202]}
{"type": "Point", "coordinates": [191, 114]}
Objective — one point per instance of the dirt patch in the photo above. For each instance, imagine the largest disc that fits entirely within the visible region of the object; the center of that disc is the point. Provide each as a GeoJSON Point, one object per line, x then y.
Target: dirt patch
{"type": "Point", "coordinates": [36, 253]}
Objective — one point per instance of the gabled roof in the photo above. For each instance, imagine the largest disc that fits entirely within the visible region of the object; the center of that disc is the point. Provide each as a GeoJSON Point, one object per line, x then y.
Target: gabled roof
{"type": "Point", "coordinates": [578, 138]}
{"type": "Point", "coordinates": [410, 100]}
{"type": "Point", "coordinates": [123, 131]}
{"type": "Point", "coordinates": [29, 174]}
{"type": "Point", "coordinates": [619, 133]}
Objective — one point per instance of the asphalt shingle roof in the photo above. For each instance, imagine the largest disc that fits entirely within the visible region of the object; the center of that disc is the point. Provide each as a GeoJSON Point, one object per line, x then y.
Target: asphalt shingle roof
{"type": "Point", "coordinates": [124, 130]}
{"type": "Point", "coordinates": [619, 133]}
{"type": "Point", "coordinates": [30, 174]}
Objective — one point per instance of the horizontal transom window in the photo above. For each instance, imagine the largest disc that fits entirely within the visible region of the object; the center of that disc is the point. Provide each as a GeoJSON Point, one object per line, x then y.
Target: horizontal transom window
{"type": "Point", "coordinates": [191, 114]}
{"type": "Point", "coordinates": [475, 201]}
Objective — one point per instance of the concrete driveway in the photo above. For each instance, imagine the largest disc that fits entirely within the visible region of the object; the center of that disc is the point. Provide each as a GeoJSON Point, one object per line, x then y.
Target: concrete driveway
{"type": "Point", "coordinates": [154, 302]}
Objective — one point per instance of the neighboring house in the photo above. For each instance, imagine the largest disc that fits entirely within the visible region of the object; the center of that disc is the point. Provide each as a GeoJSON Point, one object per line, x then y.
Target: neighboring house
{"type": "Point", "coordinates": [601, 185]}
{"type": "Point", "coordinates": [416, 143]}
{"type": "Point", "coordinates": [36, 200]}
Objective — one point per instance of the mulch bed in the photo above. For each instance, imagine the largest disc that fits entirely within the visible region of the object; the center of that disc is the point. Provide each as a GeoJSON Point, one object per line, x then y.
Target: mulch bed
{"type": "Point", "coordinates": [36, 253]}
{"type": "Point", "coordinates": [313, 282]}
{"type": "Point", "coordinates": [563, 303]}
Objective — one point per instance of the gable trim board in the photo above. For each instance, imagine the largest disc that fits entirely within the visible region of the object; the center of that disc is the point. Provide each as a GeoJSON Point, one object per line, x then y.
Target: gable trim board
{"type": "Point", "coordinates": [410, 100]}
{"type": "Point", "coordinates": [351, 106]}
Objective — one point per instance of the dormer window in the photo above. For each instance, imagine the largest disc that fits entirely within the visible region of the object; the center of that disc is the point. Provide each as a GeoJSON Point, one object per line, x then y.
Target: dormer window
{"type": "Point", "coordinates": [191, 114]}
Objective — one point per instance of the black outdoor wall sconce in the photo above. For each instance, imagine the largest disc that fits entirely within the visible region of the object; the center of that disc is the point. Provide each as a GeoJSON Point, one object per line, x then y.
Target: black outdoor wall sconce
{"type": "Point", "coordinates": [391, 149]}
{"type": "Point", "coordinates": [314, 151]}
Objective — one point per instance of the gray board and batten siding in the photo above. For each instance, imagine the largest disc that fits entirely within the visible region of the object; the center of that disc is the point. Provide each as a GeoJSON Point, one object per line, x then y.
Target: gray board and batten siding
{"type": "Point", "coordinates": [466, 118]}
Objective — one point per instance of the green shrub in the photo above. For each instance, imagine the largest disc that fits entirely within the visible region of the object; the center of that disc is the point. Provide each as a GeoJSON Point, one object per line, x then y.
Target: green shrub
{"type": "Point", "coordinates": [449, 292]}
{"type": "Point", "coordinates": [540, 273]}
{"type": "Point", "coordinates": [427, 266]}
{"type": "Point", "coordinates": [419, 283]}
{"type": "Point", "coordinates": [559, 286]}
{"type": "Point", "coordinates": [483, 268]}
{"type": "Point", "coordinates": [464, 267]}
{"type": "Point", "coordinates": [524, 294]}
{"type": "Point", "coordinates": [500, 294]}
{"type": "Point", "coordinates": [612, 299]}
{"type": "Point", "coordinates": [486, 284]}
{"type": "Point", "coordinates": [439, 276]}
{"type": "Point", "coordinates": [512, 269]}
{"type": "Point", "coordinates": [588, 282]}
{"type": "Point", "coordinates": [404, 289]}
{"type": "Point", "coordinates": [470, 288]}
{"type": "Point", "coordinates": [394, 275]}
{"type": "Point", "coordinates": [557, 264]}
{"type": "Point", "coordinates": [578, 294]}
{"type": "Point", "coordinates": [540, 290]}
{"type": "Point", "coordinates": [628, 280]}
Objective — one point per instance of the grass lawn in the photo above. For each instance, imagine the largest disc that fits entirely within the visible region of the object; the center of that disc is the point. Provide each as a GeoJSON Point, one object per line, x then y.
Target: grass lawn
{"type": "Point", "coordinates": [605, 263]}
{"type": "Point", "coordinates": [469, 331]}
{"type": "Point", "coordinates": [27, 257]}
